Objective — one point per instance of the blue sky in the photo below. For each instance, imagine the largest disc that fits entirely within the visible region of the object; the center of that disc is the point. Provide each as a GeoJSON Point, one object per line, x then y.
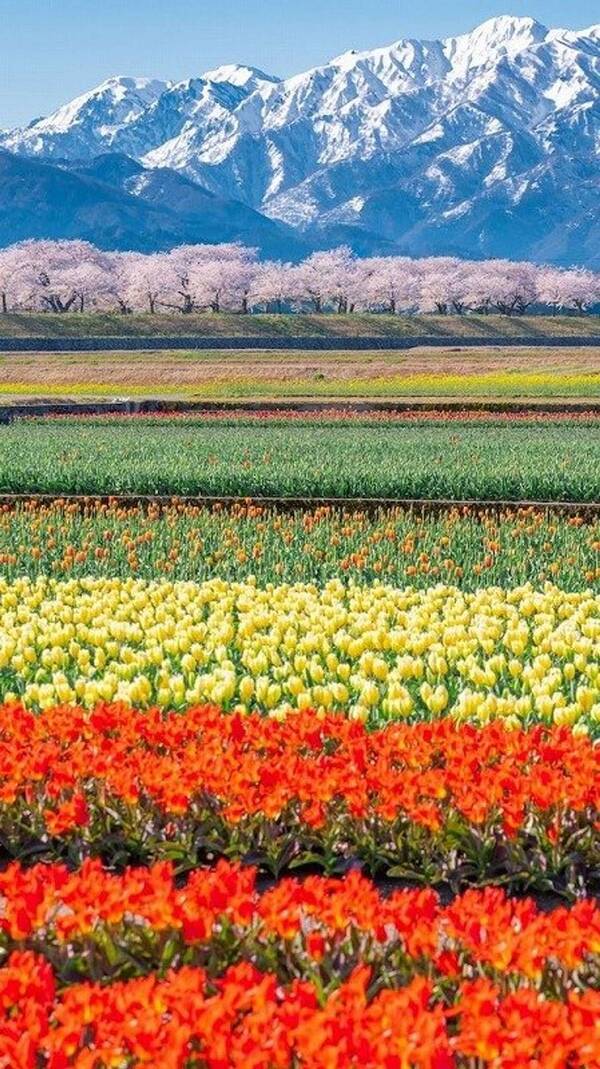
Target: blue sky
{"type": "Point", "coordinates": [51, 50]}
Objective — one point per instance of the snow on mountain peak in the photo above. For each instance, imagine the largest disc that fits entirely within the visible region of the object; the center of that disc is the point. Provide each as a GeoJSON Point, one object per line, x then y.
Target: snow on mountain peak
{"type": "Point", "coordinates": [385, 139]}
{"type": "Point", "coordinates": [113, 91]}
{"type": "Point", "coordinates": [505, 35]}
{"type": "Point", "coordinates": [509, 28]}
{"type": "Point", "coordinates": [120, 83]}
{"type": "Point", "coordinates": [240, 75]}
{"type": "Point", "coordinates": [92, 115]}
{"type": "Point", "coordinates": [591, 35]}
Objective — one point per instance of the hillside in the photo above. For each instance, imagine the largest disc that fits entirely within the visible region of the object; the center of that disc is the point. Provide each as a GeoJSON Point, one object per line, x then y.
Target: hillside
{"type": "Point", "coordinates": [95, 203]}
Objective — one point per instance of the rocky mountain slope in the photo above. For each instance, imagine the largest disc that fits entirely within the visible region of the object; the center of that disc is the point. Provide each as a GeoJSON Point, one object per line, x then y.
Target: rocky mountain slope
{"type": "Point", "coordinates": [485, 144]}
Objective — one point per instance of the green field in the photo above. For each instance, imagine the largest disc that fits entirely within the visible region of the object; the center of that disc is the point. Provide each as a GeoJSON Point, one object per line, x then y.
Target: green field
{"type": "Point", "coordinates": [50, 325]}
{"type": "Point", "coordinates": [459, 461]}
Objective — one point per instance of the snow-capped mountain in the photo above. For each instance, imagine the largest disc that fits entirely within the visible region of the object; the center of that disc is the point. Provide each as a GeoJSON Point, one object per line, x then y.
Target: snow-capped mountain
{"type": "Point", "coordinates": [483, 144]}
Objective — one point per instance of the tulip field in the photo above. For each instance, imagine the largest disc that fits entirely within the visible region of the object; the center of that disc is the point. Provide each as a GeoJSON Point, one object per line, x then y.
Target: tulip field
{"type": "Point", "coordinates": [429, 460]}
{"type": "Point", "coordinates": [377, 653]}
{"type": "Point", "coordinates": [472, 547]}
{"type": "Point", "coordinates": [302, 783]}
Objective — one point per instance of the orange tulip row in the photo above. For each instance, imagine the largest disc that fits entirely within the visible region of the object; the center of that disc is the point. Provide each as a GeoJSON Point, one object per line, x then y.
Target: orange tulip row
{"type": "Point", "coordinates": [92, 922]}
{"type": "Point", "coordinates": [436, 801]}
{"type": "Point", "coordinates": [470, 545]}
{"type": "Point", "coordinates": [247, 1018]}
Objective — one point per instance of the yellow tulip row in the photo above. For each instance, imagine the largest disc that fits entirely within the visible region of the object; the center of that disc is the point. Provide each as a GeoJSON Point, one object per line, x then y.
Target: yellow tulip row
{"type": "Point", "coordinates": [376, 652]}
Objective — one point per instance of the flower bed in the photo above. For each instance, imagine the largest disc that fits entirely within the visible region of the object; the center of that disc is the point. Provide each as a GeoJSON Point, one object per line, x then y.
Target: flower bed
{"type": "Point", "coordinates": [471, 547]}
{"type": "Point", "coordinates": [246, 1019]}
{"type": "Point", "coordinates": [94, 924]}
{"type": "Point", "coordinates": [473, 461]}
{"type": "Point", "coordinates": [357, 414]}
{"type": "Point", "coordinates": [438, 802]}
{"type": "Point", "coordinates": [322, 974]}
{"type": "Point", "coordinates": [377, 652]}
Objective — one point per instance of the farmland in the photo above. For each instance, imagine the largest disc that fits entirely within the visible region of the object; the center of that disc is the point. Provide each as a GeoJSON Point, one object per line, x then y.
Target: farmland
{"type": "Point", "coordinates": [296, 769]}
{"type": "Point", "coordinates": [415, 797]}
{"type": "Point", "coordinates": [475, 547]}
{"type": "Point", "coordinates": [493, 373]}
{"type": "Point", "coordinates": [432, 460]}
{"type": "Point", "coordinates": [300, 561]}
{"type": "Point", "coordinates": [356, 649]}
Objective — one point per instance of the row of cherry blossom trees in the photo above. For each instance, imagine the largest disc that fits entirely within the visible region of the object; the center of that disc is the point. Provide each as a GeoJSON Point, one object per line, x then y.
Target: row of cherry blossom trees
{"type": "Point", "coordinates": [63, 276]}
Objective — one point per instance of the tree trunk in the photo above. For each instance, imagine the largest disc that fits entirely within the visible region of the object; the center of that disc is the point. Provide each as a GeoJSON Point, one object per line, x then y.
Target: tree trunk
{"type": "Point", "coordinates": [151, 304]}
{"type": "Point", "coordinates": [4, 303]}
{"type": "Point", "coordinates": [57, 305]}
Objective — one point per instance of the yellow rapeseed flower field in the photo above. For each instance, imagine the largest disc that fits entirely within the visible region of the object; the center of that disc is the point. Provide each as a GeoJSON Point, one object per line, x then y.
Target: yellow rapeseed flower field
{"type": "Point", "coordinates": [376, 652]}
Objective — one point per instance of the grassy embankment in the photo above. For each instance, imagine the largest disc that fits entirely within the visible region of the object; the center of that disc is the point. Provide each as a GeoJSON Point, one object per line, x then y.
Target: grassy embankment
{"type": "Point", "coordinates": [48, 325]}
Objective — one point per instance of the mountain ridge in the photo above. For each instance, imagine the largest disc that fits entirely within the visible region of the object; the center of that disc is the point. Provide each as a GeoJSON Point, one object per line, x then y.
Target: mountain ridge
{"type": "Point", "coordinates": [451, 145]}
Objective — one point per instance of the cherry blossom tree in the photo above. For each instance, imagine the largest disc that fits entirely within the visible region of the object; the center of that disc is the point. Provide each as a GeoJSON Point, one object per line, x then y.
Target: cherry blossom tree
{"type": "Point", "coordinates": [551, 288]}
{"type": "Point", "coordinates": [439, 284]}
{"type": "Point", "coordinates": [512, 285]}
{"type": "Point", "coordinates": [212, 276]}
{"type": "Point", "coordinates": [479, 288]}
{"type": "Point", "coordinates": [325, 277]}
{"type": "Point", "coordinates": [23, 274]}
{"type": "Point", "coordinates": [582, 289]}
{"type": "Point", "coordinates": [121, 272]}
{"type": "Point", "coordinates": [240, 284]}
{"type": "Point", "coordinates": [343, 278]}
{"type": "Point", "coordinates": [274, 285]}
{"type": "Point", "coordinates": [63, 276]}
{"type": "Point", "coordinates": [13, 262]}
{"type": "Point", "coordinates": [94, 286]}
{"type": "Point", "coordinates": [143, 282]}
{"type": "Point", "coordinates": [357, 283]}
{"type": "Point", "coordinates": [391, 283]}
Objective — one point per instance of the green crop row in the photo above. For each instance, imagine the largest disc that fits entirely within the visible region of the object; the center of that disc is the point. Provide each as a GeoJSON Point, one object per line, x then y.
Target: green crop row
{"type": "Point", "coordinates": [460, 461]}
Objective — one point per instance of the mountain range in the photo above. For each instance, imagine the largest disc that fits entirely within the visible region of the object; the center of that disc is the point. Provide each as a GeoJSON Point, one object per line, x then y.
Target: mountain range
{"type": "Point", "coordinates": [485, 144]}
